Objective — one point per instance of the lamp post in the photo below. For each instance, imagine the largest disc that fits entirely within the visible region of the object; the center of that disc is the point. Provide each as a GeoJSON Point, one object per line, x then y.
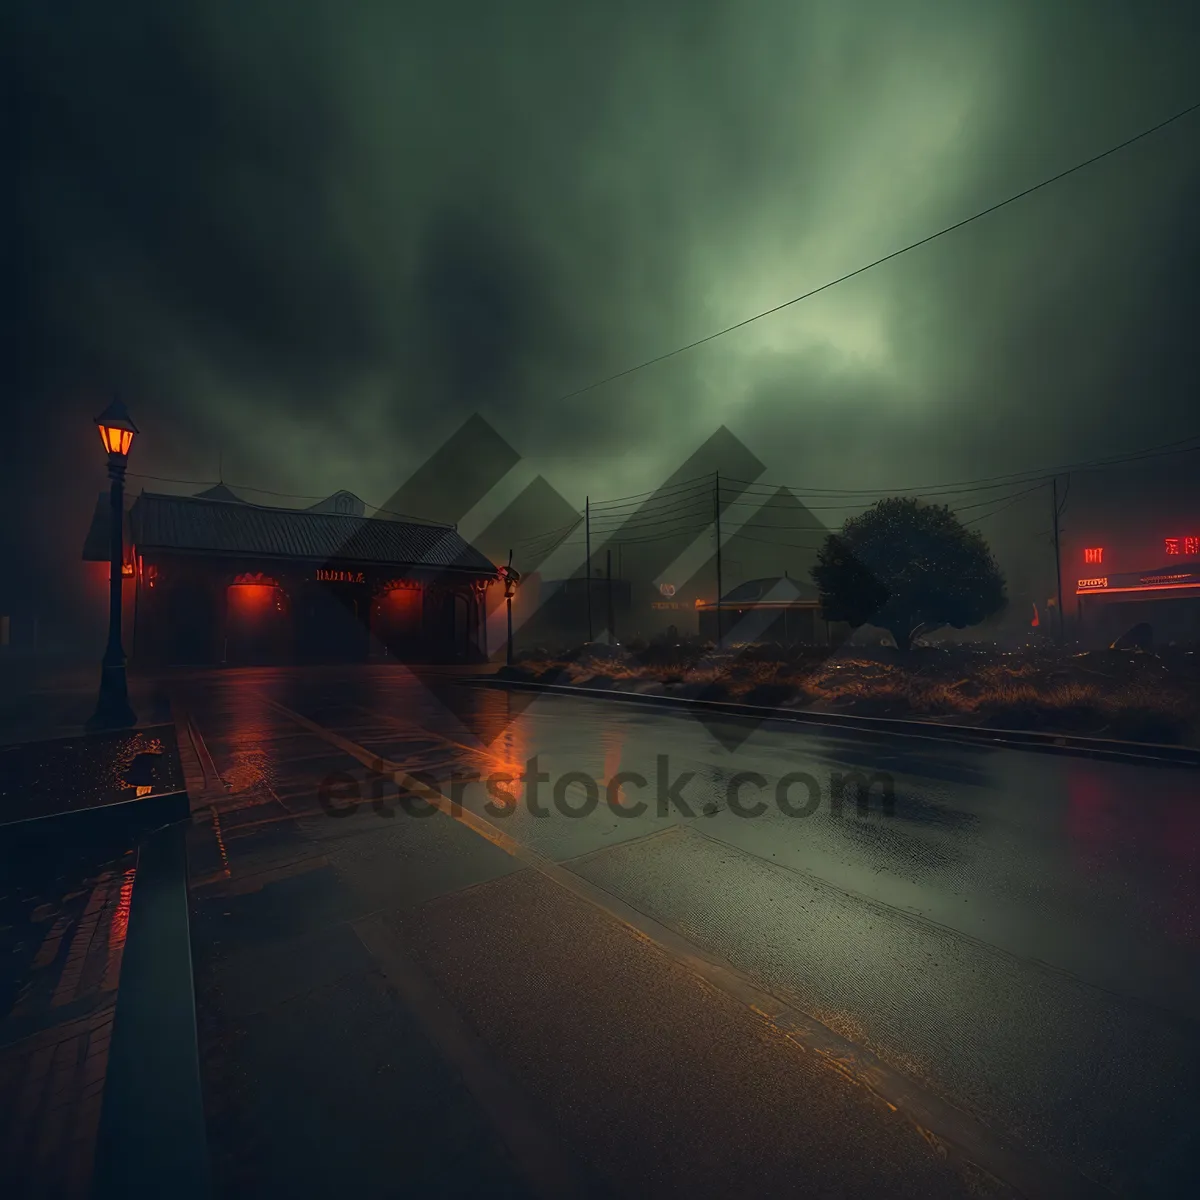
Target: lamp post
{"type": "Point", "coordinates": [511, 578]}
{"type": "Point", "coordinates": [112, 707]}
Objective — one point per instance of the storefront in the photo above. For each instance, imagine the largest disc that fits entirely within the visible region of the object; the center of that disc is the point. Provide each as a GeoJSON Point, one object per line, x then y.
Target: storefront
{"type": "Point", "coordinates": [217, 580]}
{"type": "Point", "coordinates": [1111, 597]}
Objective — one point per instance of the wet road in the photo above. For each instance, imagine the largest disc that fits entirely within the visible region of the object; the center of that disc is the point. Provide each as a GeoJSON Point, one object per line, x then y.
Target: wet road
{"type": "Point", "coordinates": [1016, 934]}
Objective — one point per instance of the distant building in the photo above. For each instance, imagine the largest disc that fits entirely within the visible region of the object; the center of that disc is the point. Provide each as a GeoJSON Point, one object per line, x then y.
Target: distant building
{"type": "Point", "coordinates": [1111, 593]}
{"type": "Point", "coordinates": [213, 579]}
{"type": "Point", "coordinates": [776, 609]}
{"type": "Point", "coordinates": [553, 613]}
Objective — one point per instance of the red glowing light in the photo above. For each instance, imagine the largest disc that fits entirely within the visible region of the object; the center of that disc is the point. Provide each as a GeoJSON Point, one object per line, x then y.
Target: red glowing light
{"type": "Point", "coordinates": [1093, 554]}
{"type": "Point", "coordinates": [246, 596]}
{"type": "Point", "coordinates": [1093, 583]}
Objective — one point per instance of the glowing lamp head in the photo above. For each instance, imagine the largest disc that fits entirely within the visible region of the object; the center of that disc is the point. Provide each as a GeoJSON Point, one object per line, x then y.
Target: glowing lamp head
{"type": "Point", "coordinates": [510, 577]}
{"type": "Point", "coordinates": [116, 429]}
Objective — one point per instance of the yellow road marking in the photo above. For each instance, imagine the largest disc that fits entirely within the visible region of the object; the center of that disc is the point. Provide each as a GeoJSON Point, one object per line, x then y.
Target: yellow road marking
{"type": "Point", "coordinates": [934, 1118]}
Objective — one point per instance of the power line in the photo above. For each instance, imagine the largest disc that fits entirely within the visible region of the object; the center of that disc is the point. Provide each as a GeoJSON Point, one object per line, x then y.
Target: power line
{"type": "Point", "coordinates": [766, 497]}
{"type": "Point", "coordinates": [749, 537]}
{"type": "Point", "coordinates": [1009, 504]}
{"type": "Point", "coordinates": [987, 482]}
{"type": "Point", "coordinates": [663, 491]}
{"type": "Point", "coordinates": [639, 522]}
{"type": "Point", "coordinates": [858, 504]}
{"type": "Point", "coordinates": [1145, 133]}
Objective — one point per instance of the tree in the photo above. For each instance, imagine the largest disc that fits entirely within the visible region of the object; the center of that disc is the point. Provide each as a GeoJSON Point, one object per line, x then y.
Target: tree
{"type": "Point", "coordinates": [909, 568]}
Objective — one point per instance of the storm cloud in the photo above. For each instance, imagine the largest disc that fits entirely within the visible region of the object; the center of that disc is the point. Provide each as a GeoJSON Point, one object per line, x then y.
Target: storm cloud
{"type": "Point", "coordinates": [310, 238]}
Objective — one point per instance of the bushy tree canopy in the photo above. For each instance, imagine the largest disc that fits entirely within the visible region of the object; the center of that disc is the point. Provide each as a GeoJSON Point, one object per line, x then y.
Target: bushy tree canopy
{"type": "Point", "coordinates": [909, 568]}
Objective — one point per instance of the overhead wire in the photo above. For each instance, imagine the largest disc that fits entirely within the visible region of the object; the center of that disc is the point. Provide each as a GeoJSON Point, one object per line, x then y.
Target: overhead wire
{"type": "Point", "coordinates": [947, 229]}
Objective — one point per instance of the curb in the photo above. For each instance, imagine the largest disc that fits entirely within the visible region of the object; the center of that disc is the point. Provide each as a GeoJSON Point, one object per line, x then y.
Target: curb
{"type": "Point", "coordinates": [152, 1140]}
{"type": "Point", "coordinates": [1114, 751]}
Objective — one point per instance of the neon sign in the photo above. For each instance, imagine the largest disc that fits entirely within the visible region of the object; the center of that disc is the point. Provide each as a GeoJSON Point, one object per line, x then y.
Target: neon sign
{"type": "Point", "coordinates": [1093, 554]}
{"type": "Point", "coordinates": [1164, 578]}
{"type": "Point", "coordinates": [1189, 546]}
{"type": "Point", "coordinates": [326, 576]}
{"type": "Point", "coordinates": [1094, 583]}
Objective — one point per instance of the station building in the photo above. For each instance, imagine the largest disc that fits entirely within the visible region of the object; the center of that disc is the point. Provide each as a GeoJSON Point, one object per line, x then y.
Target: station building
{"type": "Point", "coordinates": [214, 579]}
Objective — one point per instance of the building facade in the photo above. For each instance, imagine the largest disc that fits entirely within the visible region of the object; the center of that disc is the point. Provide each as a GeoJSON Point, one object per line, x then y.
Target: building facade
{"type": "Point", "coordinates": [212, 579]}
{"type": "Point", "coordinates": [1119, 583]}
{"type": "Point", "coordinates": [777, 609]}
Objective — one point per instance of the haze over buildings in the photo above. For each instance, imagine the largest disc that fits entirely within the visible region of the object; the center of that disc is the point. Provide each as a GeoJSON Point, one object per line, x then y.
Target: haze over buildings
{"type": "Point", "coordinates": [306, 242]}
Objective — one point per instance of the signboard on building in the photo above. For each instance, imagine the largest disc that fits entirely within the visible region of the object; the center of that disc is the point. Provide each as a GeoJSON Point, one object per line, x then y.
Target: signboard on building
{"type": "Point", "coordinates": [327, 576]}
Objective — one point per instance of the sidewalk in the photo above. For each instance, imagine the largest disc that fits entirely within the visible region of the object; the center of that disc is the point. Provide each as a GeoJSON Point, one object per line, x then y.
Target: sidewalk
{"type": "Point", "coordinates": [64, 919]}
{"type": "Point", "coordinates": [70, 831]}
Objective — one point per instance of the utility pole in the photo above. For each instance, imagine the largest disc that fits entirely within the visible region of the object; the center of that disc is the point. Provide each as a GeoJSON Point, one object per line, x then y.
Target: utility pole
{"type": "Point", "coordinates": [1057, 560]}
{"type": "Point", "coordinates": [587, 580]}
{"type": "Point", "coordinates": [510, 580]}
{"type": "Point", "coordinates": [717, 518]}
{"type": "Point", "coordinates": [612, 637]}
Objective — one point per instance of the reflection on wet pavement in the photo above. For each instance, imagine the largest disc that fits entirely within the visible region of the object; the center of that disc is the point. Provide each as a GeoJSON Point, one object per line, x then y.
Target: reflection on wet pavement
{"type": "Point", "coordinates": [64, 913]}
{"type": "Point", "coordinates": [1019, 931]}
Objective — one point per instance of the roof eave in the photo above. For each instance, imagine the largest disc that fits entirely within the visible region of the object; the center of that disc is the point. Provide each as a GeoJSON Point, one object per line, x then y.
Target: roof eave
{"type": "Point", "coordinates": [372, 564]}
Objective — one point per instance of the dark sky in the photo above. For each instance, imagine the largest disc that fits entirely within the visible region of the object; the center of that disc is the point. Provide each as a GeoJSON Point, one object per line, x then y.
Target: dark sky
{"type": "Point", "coordinates": [310, 237]}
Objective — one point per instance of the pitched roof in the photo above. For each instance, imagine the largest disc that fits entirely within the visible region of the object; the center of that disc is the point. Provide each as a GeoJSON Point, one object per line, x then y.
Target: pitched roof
{"type": "Point", "coordinates": [220, 492]}
{"type": "Point", "coordinates": [96, 544]}
{"type": "Point", "coordinates": [193, 524]}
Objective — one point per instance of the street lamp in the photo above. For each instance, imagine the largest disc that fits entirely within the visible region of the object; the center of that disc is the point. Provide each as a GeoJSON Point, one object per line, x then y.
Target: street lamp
{"type": "Point", "coordinates": [511, 578]}
{"type": "Point", "coordinates": [112, 707]}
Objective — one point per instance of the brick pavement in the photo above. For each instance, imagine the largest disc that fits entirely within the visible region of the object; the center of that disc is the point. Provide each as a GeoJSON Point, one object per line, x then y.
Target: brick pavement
{"type": "Point", "coordinates": [64, 965]}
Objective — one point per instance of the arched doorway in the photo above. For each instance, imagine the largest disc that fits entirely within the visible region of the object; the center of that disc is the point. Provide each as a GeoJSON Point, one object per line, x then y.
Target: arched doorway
{"type": "Point", "coordinates": [255, 621]}
{"type": "Point", "coordinates": [397, 622]}
{"type": "Point", "coordinates": [462, 627]}
{"type": "Point", "coordinates": [332, 619]}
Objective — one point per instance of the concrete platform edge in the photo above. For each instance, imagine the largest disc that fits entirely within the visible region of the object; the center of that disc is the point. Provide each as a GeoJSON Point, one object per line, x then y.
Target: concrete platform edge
{"type": "Point", "coordinates": [152, 1139]}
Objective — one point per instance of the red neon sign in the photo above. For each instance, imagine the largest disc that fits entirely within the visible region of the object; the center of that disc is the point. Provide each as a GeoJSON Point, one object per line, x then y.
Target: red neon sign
{"type": "Point", "coordinates": [1094, 583]}
{"type": "Point", "coordinates": [1189, 546]}
{"type": "Point", "coordinates": [1093, 554]}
